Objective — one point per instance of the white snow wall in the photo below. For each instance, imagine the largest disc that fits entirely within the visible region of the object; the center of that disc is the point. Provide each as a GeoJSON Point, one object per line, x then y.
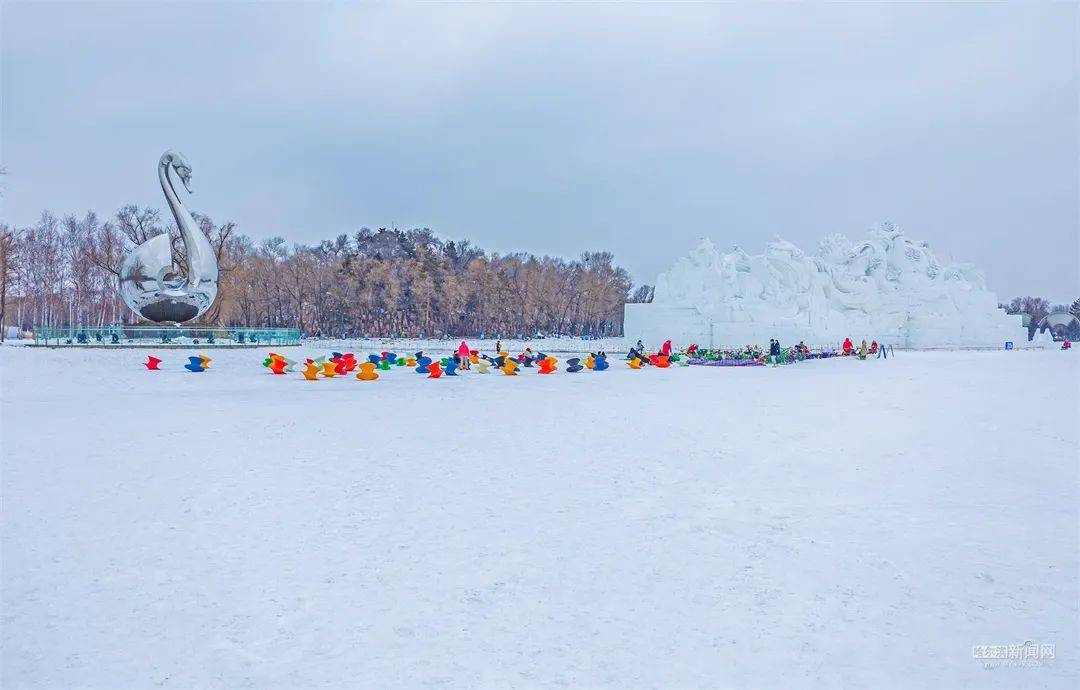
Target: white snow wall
{"type": "Point", "coordinates": [885, 288]}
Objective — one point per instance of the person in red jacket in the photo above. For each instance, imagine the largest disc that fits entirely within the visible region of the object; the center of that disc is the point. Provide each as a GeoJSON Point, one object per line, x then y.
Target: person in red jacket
{"type": "Point", "coordinates": [847, 346]}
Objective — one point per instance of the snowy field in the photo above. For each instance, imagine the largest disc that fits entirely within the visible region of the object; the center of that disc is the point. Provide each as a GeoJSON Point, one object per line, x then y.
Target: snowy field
{"type": "Point", "coordinates": [836, 524]}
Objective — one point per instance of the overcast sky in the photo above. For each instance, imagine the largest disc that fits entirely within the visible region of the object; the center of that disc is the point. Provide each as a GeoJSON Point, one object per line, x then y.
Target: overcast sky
{"type": "Point", "coordinates": [558, 128]}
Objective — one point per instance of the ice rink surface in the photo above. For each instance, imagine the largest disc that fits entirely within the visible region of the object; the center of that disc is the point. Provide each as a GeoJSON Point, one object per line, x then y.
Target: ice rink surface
{"type": "Point", "coordinates": [833, 524]}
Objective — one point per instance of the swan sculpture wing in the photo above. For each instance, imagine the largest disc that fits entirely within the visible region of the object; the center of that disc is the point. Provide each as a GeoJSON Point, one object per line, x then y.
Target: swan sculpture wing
{"type": "Point", "coordinates": [149, 281]}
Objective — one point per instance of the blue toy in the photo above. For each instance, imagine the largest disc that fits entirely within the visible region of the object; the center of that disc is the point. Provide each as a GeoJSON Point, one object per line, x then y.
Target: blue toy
{"type": "Point", "coordinates": [573, 365]}
{"type": "Point", "coordinates": [450, 367]}
{"type": "Point", "coordinates": [600, 363]}
{"type": "Point", "coordinates": [422, 364]}
{"type": "Point", "coordinates": [195, 364]}
{"type": "Point", "coordinates": [390, 357]}
{"type": "Point", "coordinates": [374, 359]}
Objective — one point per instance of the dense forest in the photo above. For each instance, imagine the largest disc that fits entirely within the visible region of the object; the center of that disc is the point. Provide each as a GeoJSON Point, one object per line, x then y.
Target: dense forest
{"type": "Point", "coordinates": [385, 282]}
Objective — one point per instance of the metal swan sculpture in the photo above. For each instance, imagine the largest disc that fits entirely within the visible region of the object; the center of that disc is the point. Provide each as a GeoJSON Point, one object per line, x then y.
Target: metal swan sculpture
{"type": "Point", "coordinates": [150, 282]}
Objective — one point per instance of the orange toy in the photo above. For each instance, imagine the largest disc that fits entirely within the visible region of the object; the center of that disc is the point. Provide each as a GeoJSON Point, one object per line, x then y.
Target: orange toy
{"type": "Point", "coordinates": [411, 362]}
{"type": "Point", "coordinates": [662, 361]}
{"type": "Point", "coordinates": [205, 361]}
{"type": "Point", "coordinates": [436, 370]}
{"type": "Point", "coordinates": [547, 365]}
{"type": "Point", "coordinates": [311, 371]}
{"type": "Point", "coordinates": [474, 357]}
{"type": "Point", "coordinates": [510, 367]}
{"type": "Point", "coordinates": [589, 362]}
{"type": "Point", "coordinates": [367, 372]}
{"type": "Point", "coordinates": [635, 363]}
{"type": "Point", "coordinates": [329, 369]}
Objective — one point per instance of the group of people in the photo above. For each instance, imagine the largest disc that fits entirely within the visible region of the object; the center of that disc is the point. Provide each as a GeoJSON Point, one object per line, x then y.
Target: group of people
{"type": "Point", "coordinates": [775, 355]}
{"type": "Point", "coordinates": [638, 352]}
{"type": "Point", "coordinates": [864, 350]}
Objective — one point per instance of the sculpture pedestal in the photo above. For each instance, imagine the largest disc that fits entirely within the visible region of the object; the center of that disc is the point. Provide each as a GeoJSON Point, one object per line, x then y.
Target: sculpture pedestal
{"type": "Point", "coordinates": [161, 337]}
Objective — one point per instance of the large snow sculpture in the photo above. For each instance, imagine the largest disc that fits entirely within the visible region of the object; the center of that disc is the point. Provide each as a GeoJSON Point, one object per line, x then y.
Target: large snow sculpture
{"type": "Point", "coordinates": [887, 288]}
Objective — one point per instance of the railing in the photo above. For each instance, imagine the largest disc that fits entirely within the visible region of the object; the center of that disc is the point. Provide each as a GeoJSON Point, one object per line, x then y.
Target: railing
{"type": "Point", "coordinates": [128, 336]}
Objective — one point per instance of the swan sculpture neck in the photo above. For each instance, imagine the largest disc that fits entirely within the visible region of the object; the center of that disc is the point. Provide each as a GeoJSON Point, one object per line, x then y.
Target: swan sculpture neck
{"type": "Point", "coordinates": [201, 261]}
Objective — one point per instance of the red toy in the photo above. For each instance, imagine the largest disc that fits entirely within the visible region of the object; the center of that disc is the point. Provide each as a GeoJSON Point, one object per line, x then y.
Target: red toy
{"type": "Point", "coordinates": [436, 370]}
{"type": "Point", "coordinates": [278, 364]}
{"type": "Point", "coordinates": [152, 363]}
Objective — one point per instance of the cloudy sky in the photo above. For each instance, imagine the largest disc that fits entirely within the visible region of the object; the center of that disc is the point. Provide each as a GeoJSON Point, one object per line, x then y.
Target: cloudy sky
{"type": "Point", "coordinates": [557, 128]}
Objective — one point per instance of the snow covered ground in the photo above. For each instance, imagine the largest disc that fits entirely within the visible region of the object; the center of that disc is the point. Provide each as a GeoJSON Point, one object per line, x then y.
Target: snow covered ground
{"type": "Point", "coordinates": [832, 524]}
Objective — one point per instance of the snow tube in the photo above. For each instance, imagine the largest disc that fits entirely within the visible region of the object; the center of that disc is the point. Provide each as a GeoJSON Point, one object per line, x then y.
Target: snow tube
{"type": "Point", "coordinates": [367, 372]}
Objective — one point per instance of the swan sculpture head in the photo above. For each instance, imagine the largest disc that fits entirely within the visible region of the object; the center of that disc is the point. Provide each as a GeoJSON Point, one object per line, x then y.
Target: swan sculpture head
{"type": "Point", "coordinates": [149, 279]}
{"type": "Point", "coordinates": [180, 166]}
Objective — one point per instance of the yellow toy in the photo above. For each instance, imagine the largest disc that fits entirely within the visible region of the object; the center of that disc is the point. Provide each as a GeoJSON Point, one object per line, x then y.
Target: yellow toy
{"type": "Point", "coordinates": [510, 367]}
{"type": "Point", "coordinates": [329, 369]}
{"type": "Point", "coordinates": [205, 361]}
{"type": "Point", "coordinates": [589, 362]}
{"type": "Point", "coordinates": [311, 371]}
{"type": "Point", "coordinates": [411, 362]}
{"type": "Point", "coordinates": [482, 366]}
{"type": "Point", "coordinates": [635, 363]}
{"type": "Point", "coordinates": [367, 371]}
{"type": "Point", "coordinates": [474, 357]}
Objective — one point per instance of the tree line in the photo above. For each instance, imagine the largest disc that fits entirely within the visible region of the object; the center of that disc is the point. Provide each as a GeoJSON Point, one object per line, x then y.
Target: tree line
{"type": "Point", "coordinates": [384, 282]}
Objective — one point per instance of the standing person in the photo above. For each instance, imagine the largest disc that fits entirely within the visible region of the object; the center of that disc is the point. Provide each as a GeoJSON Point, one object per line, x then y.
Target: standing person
{"type": "Point", "coordinates": [498, 347]}
{"type": "Point", "coordinates": [463, 354]}
{"type": "Point", "coordinates": [848, 346]}
{"type": "Point", "coordinates": [774, 351]}
{"type": "Point", "coordinates": [862, 350]}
